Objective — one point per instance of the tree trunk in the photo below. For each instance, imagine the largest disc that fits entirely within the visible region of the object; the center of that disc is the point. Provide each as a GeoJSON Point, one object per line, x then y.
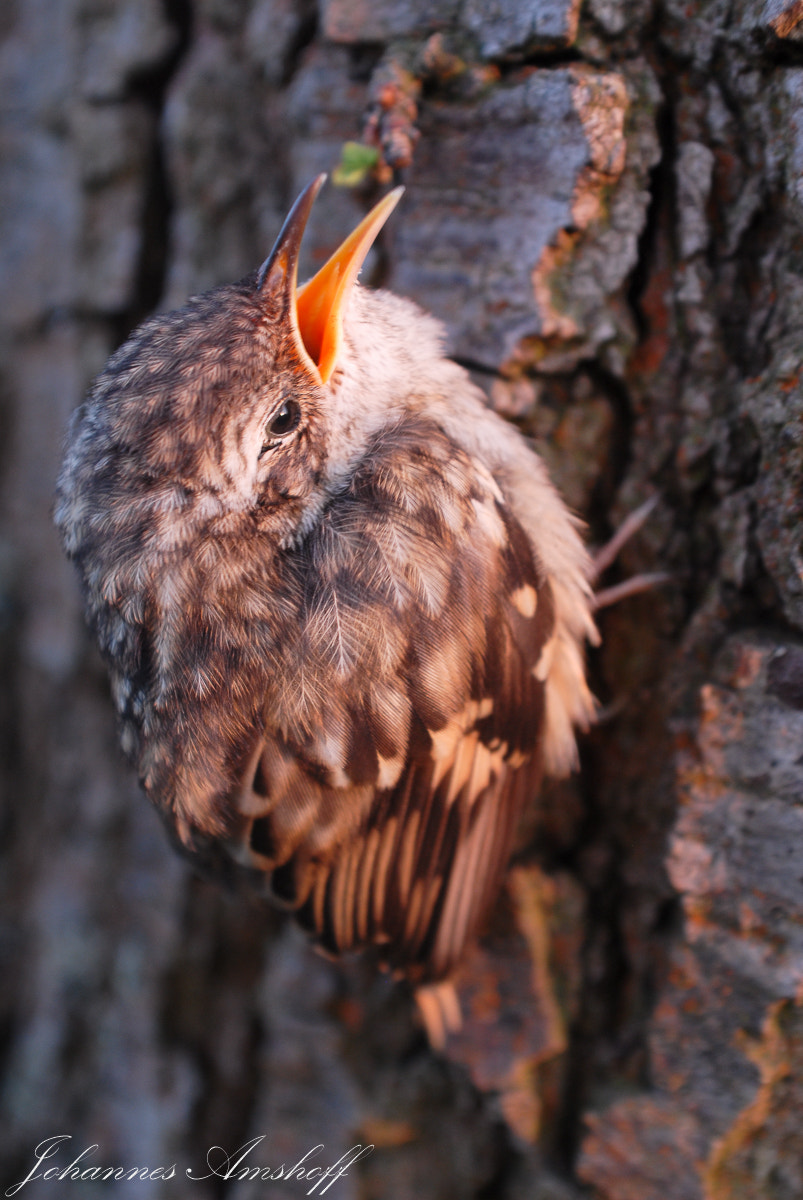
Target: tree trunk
{"type": "Point", "coordinates": [605, 208]}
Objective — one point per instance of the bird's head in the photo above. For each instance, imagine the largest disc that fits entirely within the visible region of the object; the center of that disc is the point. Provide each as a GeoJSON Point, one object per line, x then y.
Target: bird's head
{"type": "Point", "coordinates": [215, 419]}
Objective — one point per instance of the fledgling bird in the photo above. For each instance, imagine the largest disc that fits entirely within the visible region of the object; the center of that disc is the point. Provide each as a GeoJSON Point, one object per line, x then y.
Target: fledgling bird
{"type": "Point", "coordinates": [342, 606]}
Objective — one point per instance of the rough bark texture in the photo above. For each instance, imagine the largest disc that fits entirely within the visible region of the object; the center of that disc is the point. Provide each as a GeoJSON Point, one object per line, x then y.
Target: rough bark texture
{"type": "Point", "coordinates": [606, 208]}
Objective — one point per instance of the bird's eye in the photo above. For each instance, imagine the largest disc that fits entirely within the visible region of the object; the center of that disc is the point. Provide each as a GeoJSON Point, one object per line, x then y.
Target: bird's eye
{"type": "Point", "coordinates": [283, 421]}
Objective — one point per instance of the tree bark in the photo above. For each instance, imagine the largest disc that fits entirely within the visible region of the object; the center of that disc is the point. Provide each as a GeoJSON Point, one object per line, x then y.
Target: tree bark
{"type": "Point", "coordinates": [605, 208]}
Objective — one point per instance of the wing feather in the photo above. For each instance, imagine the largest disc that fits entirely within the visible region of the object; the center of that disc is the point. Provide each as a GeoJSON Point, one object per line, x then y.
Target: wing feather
{"type": "Point", "coordinates": [387, 812]}
{"type": "Point", "coordinates": [365, 872]}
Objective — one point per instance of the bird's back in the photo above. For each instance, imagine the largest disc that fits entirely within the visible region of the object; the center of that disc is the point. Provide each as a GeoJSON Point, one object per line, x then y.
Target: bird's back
{"type": "Point", "coordinates": [405, 706]}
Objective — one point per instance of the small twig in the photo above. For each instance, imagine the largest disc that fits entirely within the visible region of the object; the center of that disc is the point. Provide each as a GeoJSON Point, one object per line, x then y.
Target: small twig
{"type": "Point", "coordinates": [629, 587]}
{"type": "Point", "coordinates": [630, 526]}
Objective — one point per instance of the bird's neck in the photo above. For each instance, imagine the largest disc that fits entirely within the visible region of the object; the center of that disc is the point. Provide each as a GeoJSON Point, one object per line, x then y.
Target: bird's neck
{"type": "Point", "coordinates": [391, 349]}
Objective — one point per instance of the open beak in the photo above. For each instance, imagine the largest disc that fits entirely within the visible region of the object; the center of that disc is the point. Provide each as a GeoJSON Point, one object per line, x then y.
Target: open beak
{"type": "Point", "coordinates": [316, 307]}
{"type": "Point", "coordinates": [320, 302]}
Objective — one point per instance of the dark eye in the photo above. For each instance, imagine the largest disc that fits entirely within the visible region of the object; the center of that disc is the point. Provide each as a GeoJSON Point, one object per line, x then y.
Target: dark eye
{"type": "Point", "coordinates": [283, 421]}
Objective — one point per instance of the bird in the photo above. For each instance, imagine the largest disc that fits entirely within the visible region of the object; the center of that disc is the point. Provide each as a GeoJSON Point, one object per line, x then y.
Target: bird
{"type": "Point", "coordinates": [343, 608]}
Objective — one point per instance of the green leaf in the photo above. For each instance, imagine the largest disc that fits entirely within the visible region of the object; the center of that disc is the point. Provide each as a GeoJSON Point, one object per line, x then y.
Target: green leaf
{"type": "Point", "coordinates": [356, 160]}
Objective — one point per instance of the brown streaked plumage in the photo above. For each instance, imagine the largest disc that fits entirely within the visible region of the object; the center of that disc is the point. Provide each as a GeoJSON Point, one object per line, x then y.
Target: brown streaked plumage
{"type": "Point", "coordinates": [342, 606]}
